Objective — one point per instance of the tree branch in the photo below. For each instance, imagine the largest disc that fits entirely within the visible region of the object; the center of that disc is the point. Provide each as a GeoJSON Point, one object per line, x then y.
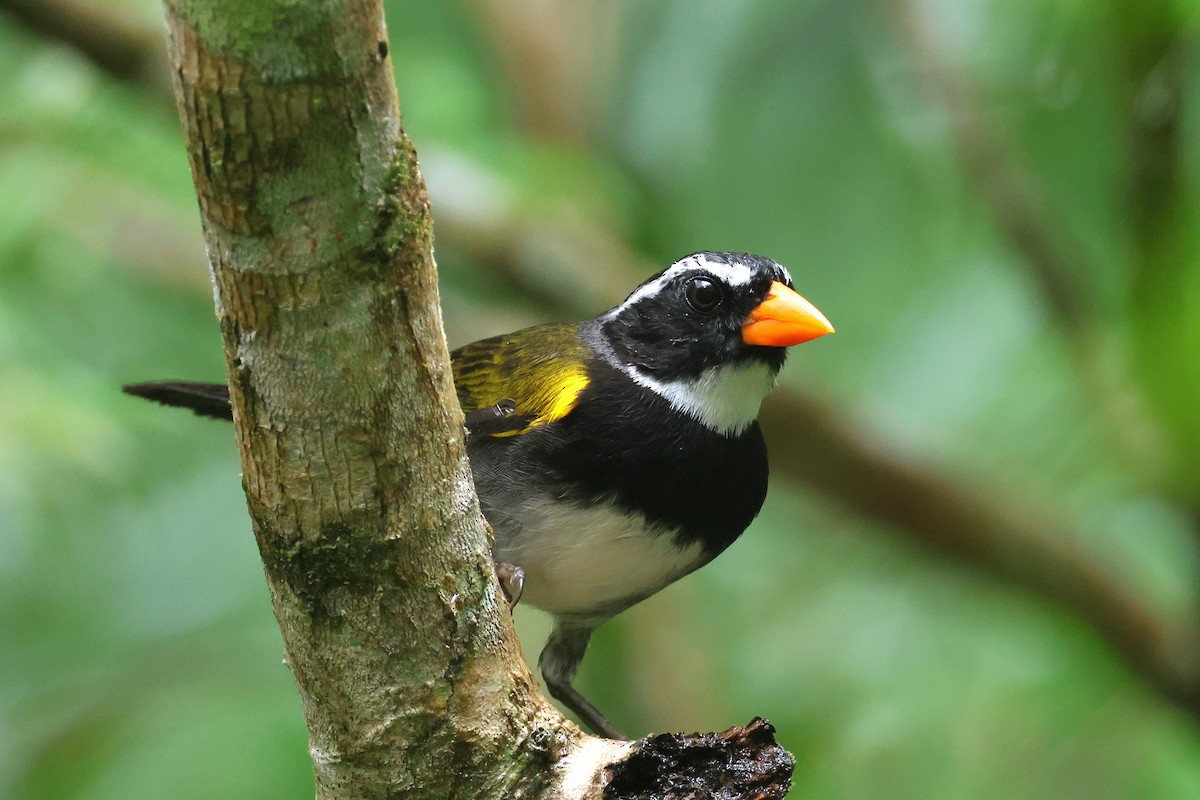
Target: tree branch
{"type": "Point", "coordinates": [354, 466]}
{"type": "Point", "coordinates": [377, 559]}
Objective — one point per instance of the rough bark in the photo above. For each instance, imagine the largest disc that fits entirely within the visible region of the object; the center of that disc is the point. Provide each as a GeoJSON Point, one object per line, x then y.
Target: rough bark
{"type": "Point", "coordinates": [317, 226]}
{"type": "Point", "coordinates": [319, 236]}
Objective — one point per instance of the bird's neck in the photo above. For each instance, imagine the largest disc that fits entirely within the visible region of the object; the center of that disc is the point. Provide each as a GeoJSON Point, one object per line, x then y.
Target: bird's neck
{"type": "Point", "coordinates": [725, 399]}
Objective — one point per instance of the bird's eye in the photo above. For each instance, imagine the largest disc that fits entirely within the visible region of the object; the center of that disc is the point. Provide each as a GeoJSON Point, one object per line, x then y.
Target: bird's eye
{"type": "Point", "coordinates": [703, 294]}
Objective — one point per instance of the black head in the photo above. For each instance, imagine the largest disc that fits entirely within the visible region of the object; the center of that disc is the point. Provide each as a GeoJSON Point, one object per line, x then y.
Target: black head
{"type": "Point", "coordinates": [693, 317]}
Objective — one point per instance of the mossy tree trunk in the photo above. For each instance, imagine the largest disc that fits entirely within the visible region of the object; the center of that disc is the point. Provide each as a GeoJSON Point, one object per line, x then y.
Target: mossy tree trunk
{"type": "Point", "coordinates": [318, 230]}
{"type": "Point", "coordinates": [319, 237]}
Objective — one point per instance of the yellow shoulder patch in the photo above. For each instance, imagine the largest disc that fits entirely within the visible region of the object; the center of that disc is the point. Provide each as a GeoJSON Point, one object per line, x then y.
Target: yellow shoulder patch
{"type": "Point", "coordinates": [542, 370]}
{"type": "Point", "coordinates": [567, 396]}
{"type": "Point", "coordinates": [558, 399]}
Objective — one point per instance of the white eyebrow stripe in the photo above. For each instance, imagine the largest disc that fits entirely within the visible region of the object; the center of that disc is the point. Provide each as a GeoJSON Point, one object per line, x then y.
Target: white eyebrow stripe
{"type": "Point", "coordinates": [645, 290]}
{"type": "Point", "coordinates": [735, 274]}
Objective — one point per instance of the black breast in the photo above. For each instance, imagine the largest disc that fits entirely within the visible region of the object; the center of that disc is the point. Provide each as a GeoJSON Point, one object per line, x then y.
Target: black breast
{"type": "Point", "coordinates": [622, 440]}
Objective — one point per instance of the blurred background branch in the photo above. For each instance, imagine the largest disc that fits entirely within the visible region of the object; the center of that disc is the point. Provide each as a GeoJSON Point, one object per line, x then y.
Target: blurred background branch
{"type": "Point", "coordinates": [1055, 262]}
{"type": "Point", "coordinates": [126, 47]}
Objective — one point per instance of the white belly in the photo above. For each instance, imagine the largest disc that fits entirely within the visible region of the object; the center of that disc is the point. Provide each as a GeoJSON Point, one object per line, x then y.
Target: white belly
{"type": "Point", "coordinates": [592, 560]}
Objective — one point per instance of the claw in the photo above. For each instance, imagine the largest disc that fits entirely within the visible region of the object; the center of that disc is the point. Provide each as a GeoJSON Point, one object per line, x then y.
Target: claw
{"type": "Point", "coordinates": [512, 581]}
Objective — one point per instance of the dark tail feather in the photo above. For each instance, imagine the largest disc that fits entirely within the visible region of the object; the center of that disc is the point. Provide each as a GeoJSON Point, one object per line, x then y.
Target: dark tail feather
{"type": "Point", "coordinates": [206, 399]}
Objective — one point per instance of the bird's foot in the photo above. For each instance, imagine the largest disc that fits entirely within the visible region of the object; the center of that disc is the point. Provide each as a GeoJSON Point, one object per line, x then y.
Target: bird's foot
{"type": "Point", "coordinates": [588, 714]}
{"type": "Point", "coordinates": [512, 581]}
{"type": "Point", "coordinates": [559, 660]}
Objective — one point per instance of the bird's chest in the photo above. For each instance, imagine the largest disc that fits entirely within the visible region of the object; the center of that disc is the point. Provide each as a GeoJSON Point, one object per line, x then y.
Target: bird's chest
{"type": "Point", "coordinates": [616, 501]}
{"type": "Point", "coordinates": [591, 560]}
{"type": "Point", "coordinates": [703, 486]}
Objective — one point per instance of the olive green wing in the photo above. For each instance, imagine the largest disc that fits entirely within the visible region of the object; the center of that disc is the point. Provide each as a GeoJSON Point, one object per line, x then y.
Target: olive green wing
{"type": "Point", "coordinates": [510, 384]}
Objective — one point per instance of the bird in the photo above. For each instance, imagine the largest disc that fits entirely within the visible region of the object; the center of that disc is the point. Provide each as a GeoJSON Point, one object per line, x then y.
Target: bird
{"type": "Point", "coordinates": [616, 455]}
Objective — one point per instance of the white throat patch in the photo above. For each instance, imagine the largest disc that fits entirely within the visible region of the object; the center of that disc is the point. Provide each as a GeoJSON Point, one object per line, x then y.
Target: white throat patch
{"type": "Point", "coordinates": [725, 398]}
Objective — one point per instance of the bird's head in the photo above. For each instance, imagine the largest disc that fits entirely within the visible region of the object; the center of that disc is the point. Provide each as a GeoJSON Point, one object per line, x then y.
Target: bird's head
{"type": "Point", "coordinates": [711, 332]}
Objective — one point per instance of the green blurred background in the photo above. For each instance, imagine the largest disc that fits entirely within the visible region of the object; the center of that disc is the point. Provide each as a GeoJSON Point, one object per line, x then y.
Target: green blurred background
{"type": "Point", "coordinates": [993, 200]}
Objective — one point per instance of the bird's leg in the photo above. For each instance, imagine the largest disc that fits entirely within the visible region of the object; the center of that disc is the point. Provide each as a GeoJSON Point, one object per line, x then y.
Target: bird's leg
{"type": "Point", "coordinates": [559, 661]}
{"type": "Point", "coordinates": [512, 581]}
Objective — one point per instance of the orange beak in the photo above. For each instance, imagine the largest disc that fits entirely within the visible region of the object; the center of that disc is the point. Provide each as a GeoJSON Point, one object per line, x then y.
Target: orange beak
{"type": "Point", "coordinates": [783, 319]}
